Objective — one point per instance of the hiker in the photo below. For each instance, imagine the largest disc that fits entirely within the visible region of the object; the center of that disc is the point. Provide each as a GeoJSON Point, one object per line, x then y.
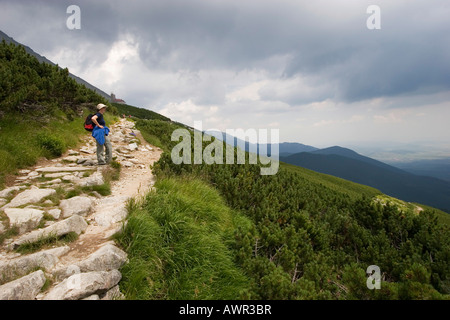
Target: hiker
{"type": "Point", "coordinates": [100, 133]}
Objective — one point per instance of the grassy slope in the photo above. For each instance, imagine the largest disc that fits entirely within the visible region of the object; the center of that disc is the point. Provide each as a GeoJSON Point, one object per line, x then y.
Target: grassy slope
{"type": "Point", "coordinates": [176, 241]}
{"type": "Point", "coordinates": [22, 140]}
{"type": "Point", "coordinates": [351, 188]}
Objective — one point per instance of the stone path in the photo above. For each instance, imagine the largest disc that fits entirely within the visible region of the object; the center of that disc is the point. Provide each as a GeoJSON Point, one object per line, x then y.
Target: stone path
{"type": "Point", "coordinates": [86, 268]}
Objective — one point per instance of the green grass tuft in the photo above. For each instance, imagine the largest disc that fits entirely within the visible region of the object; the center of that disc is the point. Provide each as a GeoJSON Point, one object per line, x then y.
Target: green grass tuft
{"type": "Point", "coordinates": [176, 241]}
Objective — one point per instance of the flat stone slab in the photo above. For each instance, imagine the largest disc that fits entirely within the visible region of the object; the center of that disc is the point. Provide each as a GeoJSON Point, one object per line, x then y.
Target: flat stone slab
{"type": "Point", "coordinates": [110, 210]}
{"type": "Point", "coordinates": [25, 288]}
{"type": "Point", "coordinates": [32, 195]}
{"type": "Point", "coordinates": [83, 285]}
{"type": "Point", "coordinates": [63, 169]}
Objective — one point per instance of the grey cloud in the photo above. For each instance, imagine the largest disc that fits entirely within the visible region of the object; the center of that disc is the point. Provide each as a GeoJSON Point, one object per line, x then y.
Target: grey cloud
{"type": "Point", "coordinates": [326, 41]}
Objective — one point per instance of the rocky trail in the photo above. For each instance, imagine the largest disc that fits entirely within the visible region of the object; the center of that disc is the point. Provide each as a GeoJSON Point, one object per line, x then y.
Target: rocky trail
{"type": "Point", "coordinates": [56, 201]}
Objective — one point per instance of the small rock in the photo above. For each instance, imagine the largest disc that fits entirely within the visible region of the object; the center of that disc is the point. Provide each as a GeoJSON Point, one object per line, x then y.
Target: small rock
{"type": "Point", "coordinates": [94, 179]}
{"type": "Point", "coordinates": [33, 174]}
{"type": "Point", "coordinates": [24, 171]}
{"type": "Point", "coordinates": [132, 146]}
{"type": "Point", "coordinates": [78, 205]}
{"type": "Point", "coordinates": [55, 213]}
{"type": "Point", "coordinates": [72, 153]}
{"type": "Point", "coordinates": [55, 181]}
{"type": "Point", "coordinates": [70, 159]}
{"type": "Point", "coordinates": [86, 150]}
{"type": "Point", "coordinates": [70, 177]}
{"type": "Point", "coordinates": [126, 164]}
{"type": "Point", "coordinates": [89, 162]}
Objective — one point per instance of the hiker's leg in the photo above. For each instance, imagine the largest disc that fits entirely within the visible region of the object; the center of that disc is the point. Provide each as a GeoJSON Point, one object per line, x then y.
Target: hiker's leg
{"type": "Point", "coordinates": [100, 157]}
{"type": "Point", "coordinates": [108, 150]}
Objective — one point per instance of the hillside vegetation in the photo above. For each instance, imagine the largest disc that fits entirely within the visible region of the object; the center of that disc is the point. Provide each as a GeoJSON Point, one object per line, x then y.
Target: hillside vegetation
{"type": "Point", "coordinates": [42, 110]}
{"type": "Point", "coordinates": [225, 231]}
{"type": "Point", "coordinates": [177, 242]}
{"type": "Point", "coordinates": [390, 180]}
{"type": "Point", "coordinates": [308, 235]}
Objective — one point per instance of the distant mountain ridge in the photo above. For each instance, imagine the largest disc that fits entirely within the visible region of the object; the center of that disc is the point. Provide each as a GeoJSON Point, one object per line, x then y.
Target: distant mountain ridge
{"type": "Point", "coordinates": [284, 148]}
{"type": "Point", "coordinates": [347, 164]}
{"type": "Point", "coordinates": [8, 39]}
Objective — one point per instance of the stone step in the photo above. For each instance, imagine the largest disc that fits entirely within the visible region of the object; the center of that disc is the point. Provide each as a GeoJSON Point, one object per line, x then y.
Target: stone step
{"type": "Point", "coordinates": [108, 257]}
{"type": "Point", "coordinates": [84, 285]}
{"type": "Point", "coordinates": [32, 195]}
{"type": "Point", "coordinates": [64, 169]}
{"type": "Point", "coordinates": [21, 265]}
{"type": "Point", "coordinates": [75, 224]}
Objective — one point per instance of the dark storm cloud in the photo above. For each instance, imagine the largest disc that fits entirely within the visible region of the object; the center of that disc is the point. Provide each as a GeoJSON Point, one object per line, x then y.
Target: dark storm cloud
{"type": "Point", "coordinates": [325, 42]}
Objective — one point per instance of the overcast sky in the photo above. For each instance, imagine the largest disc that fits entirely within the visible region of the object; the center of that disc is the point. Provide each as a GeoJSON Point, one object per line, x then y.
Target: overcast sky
{"type": "Point", "coordinates": [311, 69]}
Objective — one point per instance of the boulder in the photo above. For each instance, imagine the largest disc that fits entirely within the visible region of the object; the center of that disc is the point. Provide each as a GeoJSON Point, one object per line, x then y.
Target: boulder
{"type": "Point", "coordinates": [89, 162]}
{"type": "Point", "coordinates": [32, 195]}
{"type": "Point", "coordinates": [75, 224]}
{"type": "Point", "coordinates": [107, 258]}
{"type": "Point", "coordinates": [25, 288]}
{"type": "Point", "coordinates": [94, 179]}
{"type": "Point", "coordinates": [23, 264]}
{"type": "Point", "coordinates": [25, 219]}
{"type": "Point", "coordinates": [78, 205]}
{"type": "Point", "coordinates": [83, 285]}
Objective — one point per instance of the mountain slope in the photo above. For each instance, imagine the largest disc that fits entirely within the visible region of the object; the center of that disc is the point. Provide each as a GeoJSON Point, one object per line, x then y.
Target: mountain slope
{"type": "Point", "coordinates": [348, 153]}
{"type": "Point", "coordinates": [41, 59]}
{"type": "Point", "coordinates": [389, 180]}
{"type": "Point", "coordinates": [438, 168]}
